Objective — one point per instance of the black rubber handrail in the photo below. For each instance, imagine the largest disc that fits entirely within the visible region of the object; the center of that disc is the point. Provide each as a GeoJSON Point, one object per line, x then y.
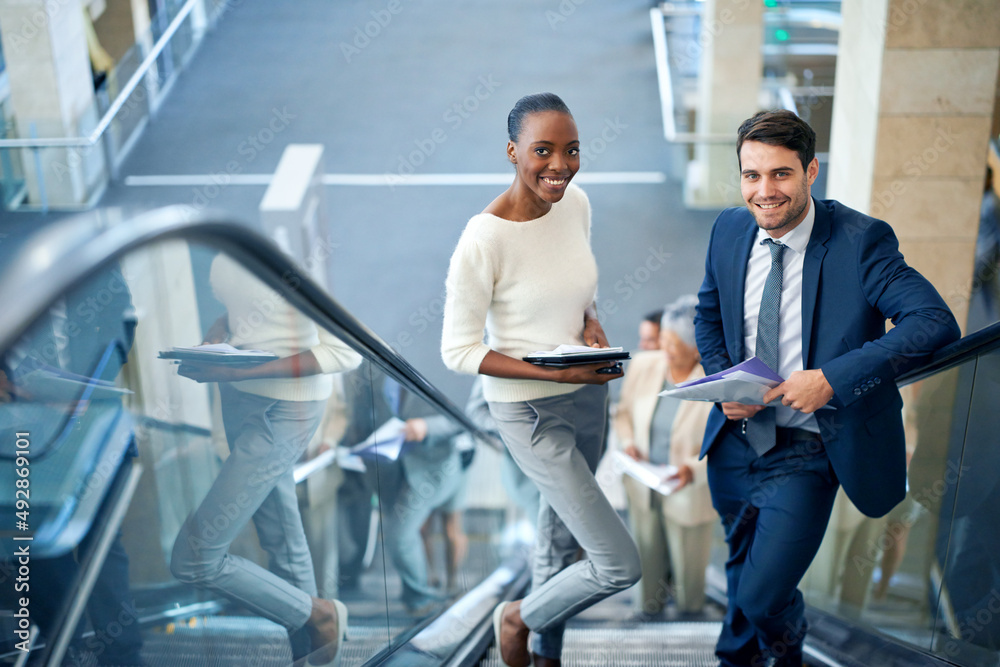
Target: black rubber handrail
{"type": "Point", "coordinates": [62, 255]}
{"type": "Point", "coordinates": [969, 347]}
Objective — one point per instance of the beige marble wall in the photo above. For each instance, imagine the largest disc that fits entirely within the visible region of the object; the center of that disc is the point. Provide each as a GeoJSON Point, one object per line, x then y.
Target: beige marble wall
{"type": "Point", "coordinates": [915, 97]}
{"type": "Point", "coordinates": [728, 89]}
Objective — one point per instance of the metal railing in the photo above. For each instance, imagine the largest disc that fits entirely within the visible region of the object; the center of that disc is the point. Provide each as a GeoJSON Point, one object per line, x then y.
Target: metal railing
{"type": "Point", "coordinates": [150, 71]}
{"type": "Point", "coordinates": [102, 126]}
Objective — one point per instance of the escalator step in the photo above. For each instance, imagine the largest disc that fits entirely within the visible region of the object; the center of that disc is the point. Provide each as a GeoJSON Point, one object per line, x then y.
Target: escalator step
{"type": "Point", "coordinates": [218, 641]}
{"type": "Point", "coordinates": [659, 644]}
{"type": "Point", "coordinates": [247, 641]}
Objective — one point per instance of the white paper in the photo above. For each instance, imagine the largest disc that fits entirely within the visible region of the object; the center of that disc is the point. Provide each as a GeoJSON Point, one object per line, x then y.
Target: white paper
{"type": "Point", "coordinates": [656, 477]}
{"type": "Point", "coordinates": [745, 383]}
{"type": "Point", "coordinates": [571, 350]}
{"type": "Point", "coordinates": [348, 461]}
{"type": "Point", "coordinates": [222, 348]}
{"type": "Point", "coordinates": [748, 390]}
{"type": "Point", "coordinates": [44, 386]}
{"type": "Point", "coordinates": [386, 441]}
{"type": "Point", "coordinates": [342, 455]}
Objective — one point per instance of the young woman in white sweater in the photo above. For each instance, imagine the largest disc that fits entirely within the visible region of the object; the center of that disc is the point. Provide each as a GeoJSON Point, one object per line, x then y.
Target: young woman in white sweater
{"type": "Point", "coordinates": [523, 270]}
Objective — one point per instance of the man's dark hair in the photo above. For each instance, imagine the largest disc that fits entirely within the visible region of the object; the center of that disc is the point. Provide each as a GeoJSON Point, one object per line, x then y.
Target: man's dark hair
{"type": "Point", "coordinates": [653, 317]}
{"type": "Point", "coordinates": [530, 104]}
{"type": "Point", "coordinates": [779, 127]}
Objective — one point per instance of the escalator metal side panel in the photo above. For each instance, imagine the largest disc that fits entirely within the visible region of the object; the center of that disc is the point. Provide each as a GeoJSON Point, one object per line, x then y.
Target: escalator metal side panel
{"type": "Point", "coordinates": [107, 527]}
{"type": "Point", "coordinates": [461, 633]}
{"type": "Point", "coordinates": [840, 642]}
{"type": "Point", "coordinates": [833, 641]}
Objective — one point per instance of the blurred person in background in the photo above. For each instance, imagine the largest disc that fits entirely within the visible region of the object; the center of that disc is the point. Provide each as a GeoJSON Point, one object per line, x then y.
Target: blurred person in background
{"type": "Point", "coordinates": [446, 520]}
{"type": "Point", "coordinates": [649, 330]}
{"type": "Point", "coordinates": [674, 532]}
{"type": "Point", "coordinates": [426, 475]}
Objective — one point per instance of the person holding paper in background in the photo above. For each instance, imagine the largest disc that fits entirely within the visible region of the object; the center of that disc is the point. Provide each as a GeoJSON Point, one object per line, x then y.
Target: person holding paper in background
{"type": "Point", "coordinates": [806, 286]}
{"type": "Point", "coordinates": [665, 430]}
{"type": "Point", "coordinates": [524, 270]}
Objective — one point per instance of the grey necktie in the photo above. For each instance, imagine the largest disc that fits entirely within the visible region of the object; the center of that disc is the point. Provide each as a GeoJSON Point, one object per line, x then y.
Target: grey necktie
{"type": "Point", "coordinates": [761, 429]}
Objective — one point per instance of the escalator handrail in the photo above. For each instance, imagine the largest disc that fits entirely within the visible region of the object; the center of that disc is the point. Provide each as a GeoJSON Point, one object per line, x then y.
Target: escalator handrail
{"type": "Point", "coordinates": [64, 254]}
{"type": "Point", "coordinates": [968, 347]}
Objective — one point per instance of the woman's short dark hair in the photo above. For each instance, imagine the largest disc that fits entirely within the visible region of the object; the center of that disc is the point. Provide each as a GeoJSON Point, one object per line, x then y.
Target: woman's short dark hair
{"type": "Point", "coordinates": [779, 127]}
{"type": "Point", "coordinates": [654, 316]}
{"type": "Point", "coordinates": [530, 104]}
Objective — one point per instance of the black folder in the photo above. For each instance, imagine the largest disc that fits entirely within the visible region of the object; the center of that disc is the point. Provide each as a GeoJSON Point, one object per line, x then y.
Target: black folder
{"type": "Point", "coordinates": [593, 356]}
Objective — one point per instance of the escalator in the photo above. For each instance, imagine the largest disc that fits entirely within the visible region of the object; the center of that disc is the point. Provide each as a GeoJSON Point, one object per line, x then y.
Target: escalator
{"type": "Point", "coordinates": [122, 448]}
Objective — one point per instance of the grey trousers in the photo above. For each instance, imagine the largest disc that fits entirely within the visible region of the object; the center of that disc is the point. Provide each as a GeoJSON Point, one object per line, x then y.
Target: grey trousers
{"type": "Point", "coordinates": [266, 437]}
{"type": "Point", "coordinates": [558, 442]}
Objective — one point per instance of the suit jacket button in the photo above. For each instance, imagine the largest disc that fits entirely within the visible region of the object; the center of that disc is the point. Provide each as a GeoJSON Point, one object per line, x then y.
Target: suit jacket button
{"type": "Point", "coordinates": [878, 380]}
{"type": "Point", "coordinates": [871, 384]}
{"type": "Point", "coordinates": [857, 391]}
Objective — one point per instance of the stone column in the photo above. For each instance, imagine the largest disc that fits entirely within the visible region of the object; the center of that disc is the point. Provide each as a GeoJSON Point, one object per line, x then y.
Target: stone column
{"type": "Point", "coordinates": [728, 91]}
{"type": "Point", "coordinates": [913, 110]}
{"type": "Point", "coordinates": [51, 88]}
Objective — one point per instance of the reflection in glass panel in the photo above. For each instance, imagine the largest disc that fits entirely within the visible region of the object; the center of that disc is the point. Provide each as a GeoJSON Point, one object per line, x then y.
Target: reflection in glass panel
{"type": "Point", "coordinates": [415, 464]}
{"type": "Point", "coordinates": [886, 572]}
{"type": "Point", "coordinates": [60, 399]}
{"type": "Point", "coordinates": [968, 544]}
{"type": "Point", "coordinates": [249, 507]}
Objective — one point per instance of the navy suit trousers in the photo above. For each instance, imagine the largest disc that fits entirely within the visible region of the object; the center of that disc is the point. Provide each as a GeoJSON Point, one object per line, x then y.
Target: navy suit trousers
{"type": "Point", "coordinates": [774, 509]}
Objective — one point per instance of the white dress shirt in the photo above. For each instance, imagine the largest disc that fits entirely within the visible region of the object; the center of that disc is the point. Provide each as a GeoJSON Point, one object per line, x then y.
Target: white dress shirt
{"type": "Point", "coordinates": [790, 325]}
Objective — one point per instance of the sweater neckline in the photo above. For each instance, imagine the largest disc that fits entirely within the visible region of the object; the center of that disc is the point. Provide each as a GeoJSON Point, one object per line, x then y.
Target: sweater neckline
{"type": "Point", "coordinates": [521, 222]}
{"type": "Point", "coordinates": [527, 222]}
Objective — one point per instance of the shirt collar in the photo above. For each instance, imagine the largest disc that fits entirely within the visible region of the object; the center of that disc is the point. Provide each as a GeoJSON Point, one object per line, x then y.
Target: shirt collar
{"type": "Point", "coordinates": [798, 238]}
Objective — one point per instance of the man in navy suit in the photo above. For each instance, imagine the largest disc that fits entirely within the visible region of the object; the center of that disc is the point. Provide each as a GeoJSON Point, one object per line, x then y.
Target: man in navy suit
{"type": "Point", "coordinates": [806, 286]}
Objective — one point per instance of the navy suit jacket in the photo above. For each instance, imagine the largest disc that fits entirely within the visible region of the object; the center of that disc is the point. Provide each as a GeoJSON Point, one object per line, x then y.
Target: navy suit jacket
{"type": "Point", "coordinates": [854, 278]}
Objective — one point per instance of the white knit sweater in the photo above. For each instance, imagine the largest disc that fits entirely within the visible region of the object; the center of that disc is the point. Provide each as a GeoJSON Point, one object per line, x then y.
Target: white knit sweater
{"type": "Point", "coordinates": [261, 319]}
{"type": "Point", "coordinates": [528, 283]}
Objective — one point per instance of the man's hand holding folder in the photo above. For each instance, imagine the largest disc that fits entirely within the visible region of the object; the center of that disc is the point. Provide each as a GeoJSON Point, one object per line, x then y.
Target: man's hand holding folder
{"type": "Point", "coordinates": [753, 385]}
